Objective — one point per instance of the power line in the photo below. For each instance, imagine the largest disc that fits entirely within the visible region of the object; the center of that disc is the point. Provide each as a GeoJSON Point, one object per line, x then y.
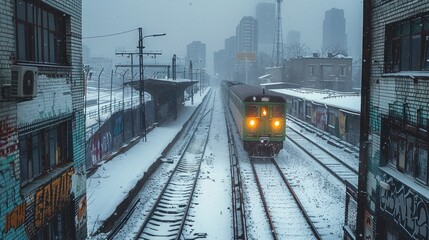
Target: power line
{"type": "Point", "coordinates": [110, 35]}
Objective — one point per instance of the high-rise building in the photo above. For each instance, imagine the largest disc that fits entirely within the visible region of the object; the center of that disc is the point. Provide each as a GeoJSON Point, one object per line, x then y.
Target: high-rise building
{"type": "Point", "coordinates": [247, 48]}
{"type": "Point", "coordinates": [334, 31]}
{"type": "Point", "coordinates": [293, 37]}
{"type": "Point", "coordinates": [247, 35]}
{"type": "Point", "coordinates": [266, 17]}
{"type": "Point", "coordinates": [196, 52]}
{"type": "Point", "coordinates": [293, 45]}
{"type": "Point", "coordinates": [393, 187]}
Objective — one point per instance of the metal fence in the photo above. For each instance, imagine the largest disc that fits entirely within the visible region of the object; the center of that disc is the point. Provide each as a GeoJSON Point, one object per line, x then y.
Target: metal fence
{"type": "Point", "coordinates": [115, 133]}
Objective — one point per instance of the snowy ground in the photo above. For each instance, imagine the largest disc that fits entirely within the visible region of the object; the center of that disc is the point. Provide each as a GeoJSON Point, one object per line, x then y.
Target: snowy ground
{"type": "Point", "coordinates": [109, 185]}
{"type": "Point", "coordinates": [211, 208]}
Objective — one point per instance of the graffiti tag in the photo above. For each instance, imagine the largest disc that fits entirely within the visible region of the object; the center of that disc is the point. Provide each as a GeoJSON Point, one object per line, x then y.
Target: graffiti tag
{"type": "Point", "coordinates": [407, 208]}
{"type": "Point", "coordinates": [50, 198]}
{"type": "Point", "coordinates": [15, 218]}
{"type": "Point", "coordinates": [8, 139]}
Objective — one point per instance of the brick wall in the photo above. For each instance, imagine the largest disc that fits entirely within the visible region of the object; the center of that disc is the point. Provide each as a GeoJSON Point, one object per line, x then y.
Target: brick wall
{"type": "Point", "coordinates": [389, 89]}
{"type": "Point", "coordinates": [59, 95]}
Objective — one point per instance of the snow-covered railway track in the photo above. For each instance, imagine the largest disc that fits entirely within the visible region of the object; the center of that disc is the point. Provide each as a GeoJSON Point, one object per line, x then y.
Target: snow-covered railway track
{"type": "Point", "coordinates": [168, 214]}
{"type": "Point", "coordinates": [238, 208]}
{"type": "Point", "coordinates": [279, 201]}
{"type": "Point", "coordinates": [334, 165]}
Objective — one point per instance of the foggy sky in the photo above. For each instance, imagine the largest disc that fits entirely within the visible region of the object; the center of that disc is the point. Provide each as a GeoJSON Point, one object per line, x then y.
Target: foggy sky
{"type": "Point", "coordinates": [209, 21]}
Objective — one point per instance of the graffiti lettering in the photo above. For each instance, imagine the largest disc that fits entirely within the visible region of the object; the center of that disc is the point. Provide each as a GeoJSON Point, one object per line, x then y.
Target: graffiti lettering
{"type": "Point", "coordinates": [50, 198]}
{"type": "Point", "coordinates": [8, 139]}
{"type": "Point", "coordinates": [15, 218]}
{"type": "Point", "coordinates": [81, 214]}
{"type": "Point", "coordinates": [407, 208]}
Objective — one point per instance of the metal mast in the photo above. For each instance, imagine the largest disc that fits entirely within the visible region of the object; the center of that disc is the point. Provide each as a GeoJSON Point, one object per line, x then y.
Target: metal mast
{"type": "Point", "coordinates": [278, 39]}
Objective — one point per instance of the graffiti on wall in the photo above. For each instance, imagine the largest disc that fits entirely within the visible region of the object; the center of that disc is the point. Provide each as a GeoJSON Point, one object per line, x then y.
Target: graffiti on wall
{"type": "Point", "coordinates": [11, 203]}
{"type": "Point", "coordinates": [321, 118]}
{"type": "Point", "coordinates": [407, 208]}
{"type": "Point", "coordinates": [51, 197]}
{"type": "Point", "coordinates": [95, 149]}
{"type": "Point", "coordinates": [8, 138]}
{"type": "Point", "coordinates": [81, 213]}
{"type": "Point", "coordinates": [118, 126]}
{"type": "Point", "coordinates": [15, 218]}
{"type": "Point", "coordinates": [106, 143]}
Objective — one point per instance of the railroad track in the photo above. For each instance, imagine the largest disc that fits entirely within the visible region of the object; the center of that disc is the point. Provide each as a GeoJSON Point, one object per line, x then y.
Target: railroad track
{"type": "Point", "coordinates": [238, 208]}
{"type": "Point", "coordinates": [287, 217]}
{"type": "Point", "coordinates": [328, 160]}
{"type": "Point", "coordinates": [167, 217]}
{"type": "Point", "coordinates": [333, 140]}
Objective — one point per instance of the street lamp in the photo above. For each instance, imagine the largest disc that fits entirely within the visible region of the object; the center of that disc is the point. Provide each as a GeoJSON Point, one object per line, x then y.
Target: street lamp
{"type": "Point", "coordinates": [141, 79]}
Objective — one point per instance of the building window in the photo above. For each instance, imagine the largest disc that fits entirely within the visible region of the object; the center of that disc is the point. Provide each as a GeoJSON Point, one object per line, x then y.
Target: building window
{"type": "Point", "coordinates": [44, 149]}
{"type": "Point", "coordinates": [312, 70]}
{"type": "Point", "coordinates": [422, 164]}
{"type": "Point", "coordinates": [343, 71]}
{"type": "Point", "coordinates": [407, 45]}
{"type": "Point", "coordinates": [40, 33]}
{"type": "Point", "coordinates": [407, 153]}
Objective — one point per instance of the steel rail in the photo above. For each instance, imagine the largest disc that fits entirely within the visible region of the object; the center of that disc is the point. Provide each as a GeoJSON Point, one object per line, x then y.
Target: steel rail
{"type": "Point", "coordinates": [261, 193]}
{"type": "Point", "coordinates": [153, 209]}
{"type": "Point", "coordinates": [238, 208]}
{"type": "Point", "coordinates": [295, 196]}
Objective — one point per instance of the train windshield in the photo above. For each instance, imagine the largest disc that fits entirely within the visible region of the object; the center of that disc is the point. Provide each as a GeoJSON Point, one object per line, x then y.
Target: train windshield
{"type": "Point", "coordinates": [264, 111]}
{"type": "Point", "coordinates": [278, 111]}
{"type": "Point", "coordinates": [252, 111]}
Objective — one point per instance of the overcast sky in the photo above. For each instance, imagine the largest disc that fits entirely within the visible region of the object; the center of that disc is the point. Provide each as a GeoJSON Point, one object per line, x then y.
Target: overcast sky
{"type": "Point", "coordinates": [210, 21]}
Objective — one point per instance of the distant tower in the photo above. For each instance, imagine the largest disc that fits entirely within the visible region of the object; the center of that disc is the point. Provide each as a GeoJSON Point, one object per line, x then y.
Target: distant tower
{"type": "Point", "coordinates": [278, 41]}
{"type": "Point", "coordinates": [266, 16]}
{"type": "Point", "coordinates": [334, 31]}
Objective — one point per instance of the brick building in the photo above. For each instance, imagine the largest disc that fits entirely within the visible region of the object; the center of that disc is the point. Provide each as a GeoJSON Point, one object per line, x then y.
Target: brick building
{"type": "Point", "coordinates": [42, 122]}
{"type": "Point", "coordinates": [332, 72]}
{"type": "Point", "coordinates": [393, 196]}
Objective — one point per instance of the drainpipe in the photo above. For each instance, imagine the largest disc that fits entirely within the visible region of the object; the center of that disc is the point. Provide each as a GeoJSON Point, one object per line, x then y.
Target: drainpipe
{"type": "Point", "coordinates": [364, 123]}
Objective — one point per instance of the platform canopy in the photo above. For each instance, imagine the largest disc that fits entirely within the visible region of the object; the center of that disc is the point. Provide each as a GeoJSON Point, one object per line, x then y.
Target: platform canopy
{"type": "Point", "coordinates": [162, 89]}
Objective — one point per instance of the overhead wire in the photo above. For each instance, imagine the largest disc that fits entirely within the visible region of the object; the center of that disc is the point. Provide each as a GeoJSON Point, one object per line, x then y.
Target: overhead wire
{"type": "Point", "coordinates": [110, 35]}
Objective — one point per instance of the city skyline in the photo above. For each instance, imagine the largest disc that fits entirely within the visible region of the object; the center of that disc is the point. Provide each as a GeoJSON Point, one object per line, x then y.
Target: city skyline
{"type": "Point", "coordinates": [181, 21]}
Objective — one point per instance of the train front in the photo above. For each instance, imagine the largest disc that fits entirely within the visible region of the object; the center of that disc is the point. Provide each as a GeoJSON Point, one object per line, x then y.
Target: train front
{"type": "Point", "coordinates": [264, 125]}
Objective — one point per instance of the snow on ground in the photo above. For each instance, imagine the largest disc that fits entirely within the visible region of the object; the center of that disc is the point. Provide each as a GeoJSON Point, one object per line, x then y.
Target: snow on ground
{"type": "Point", "coordinates": [211, 209]}
{"type": "Point", "coordinates": [210, 212]}
{"type": "Point", "coordinates": [109, 185]}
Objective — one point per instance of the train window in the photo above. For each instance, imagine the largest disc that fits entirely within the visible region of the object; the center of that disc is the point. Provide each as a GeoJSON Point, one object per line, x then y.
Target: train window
{"type": "Point", "coordinates": [264, 111]}
{"type": "Point", "coordinates": [278, 111]}
{"type": "Point", "coordinates": [251, 111]}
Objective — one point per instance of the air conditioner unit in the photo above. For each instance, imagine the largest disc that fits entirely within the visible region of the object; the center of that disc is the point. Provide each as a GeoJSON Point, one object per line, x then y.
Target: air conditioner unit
{"type": "Point", "coordinates": [24, 82]}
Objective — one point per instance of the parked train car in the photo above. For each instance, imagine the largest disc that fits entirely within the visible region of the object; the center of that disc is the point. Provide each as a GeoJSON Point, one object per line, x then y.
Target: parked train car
{"type": "Point", "coordinates": [259, 117]}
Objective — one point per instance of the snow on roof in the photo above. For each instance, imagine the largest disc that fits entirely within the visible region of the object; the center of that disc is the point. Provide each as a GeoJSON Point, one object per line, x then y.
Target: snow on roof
{"type": "Point", "coordinates": [264, 76]}
{"type": "Point", "coordinates": [343, 100]}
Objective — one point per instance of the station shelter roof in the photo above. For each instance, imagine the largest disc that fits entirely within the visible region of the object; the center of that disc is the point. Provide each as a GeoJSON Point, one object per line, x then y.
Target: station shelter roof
{"type": "Point", "coordinates": [162, 89]}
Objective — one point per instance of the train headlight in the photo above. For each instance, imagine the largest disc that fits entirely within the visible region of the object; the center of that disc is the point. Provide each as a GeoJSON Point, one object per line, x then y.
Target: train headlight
{"type": "Point", "coordinates": [251, 123]}
{"type": "Point", "coordinates": [276, 124]}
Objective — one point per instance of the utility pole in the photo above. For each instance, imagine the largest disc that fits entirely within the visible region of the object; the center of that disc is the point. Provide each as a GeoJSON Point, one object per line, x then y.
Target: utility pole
{"type": "Point", "coordinates": [141, 86]}
{"type": "Point", "coordinates": [278, 41]}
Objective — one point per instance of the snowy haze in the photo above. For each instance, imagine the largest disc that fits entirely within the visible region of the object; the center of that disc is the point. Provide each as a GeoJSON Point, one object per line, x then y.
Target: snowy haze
{"type": "Point", "coordinates": [209, 21]}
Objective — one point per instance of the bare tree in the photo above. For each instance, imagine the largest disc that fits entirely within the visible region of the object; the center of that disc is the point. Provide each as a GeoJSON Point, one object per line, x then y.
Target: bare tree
{"type": "Point", "coordinates": [334, 50]}
{"type": "Point", "coordinates": [296, 50]}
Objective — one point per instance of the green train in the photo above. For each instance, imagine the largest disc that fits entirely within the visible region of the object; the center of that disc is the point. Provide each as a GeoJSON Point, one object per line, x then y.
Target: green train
{"type": "Point", "coordinates": [259, 117]}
